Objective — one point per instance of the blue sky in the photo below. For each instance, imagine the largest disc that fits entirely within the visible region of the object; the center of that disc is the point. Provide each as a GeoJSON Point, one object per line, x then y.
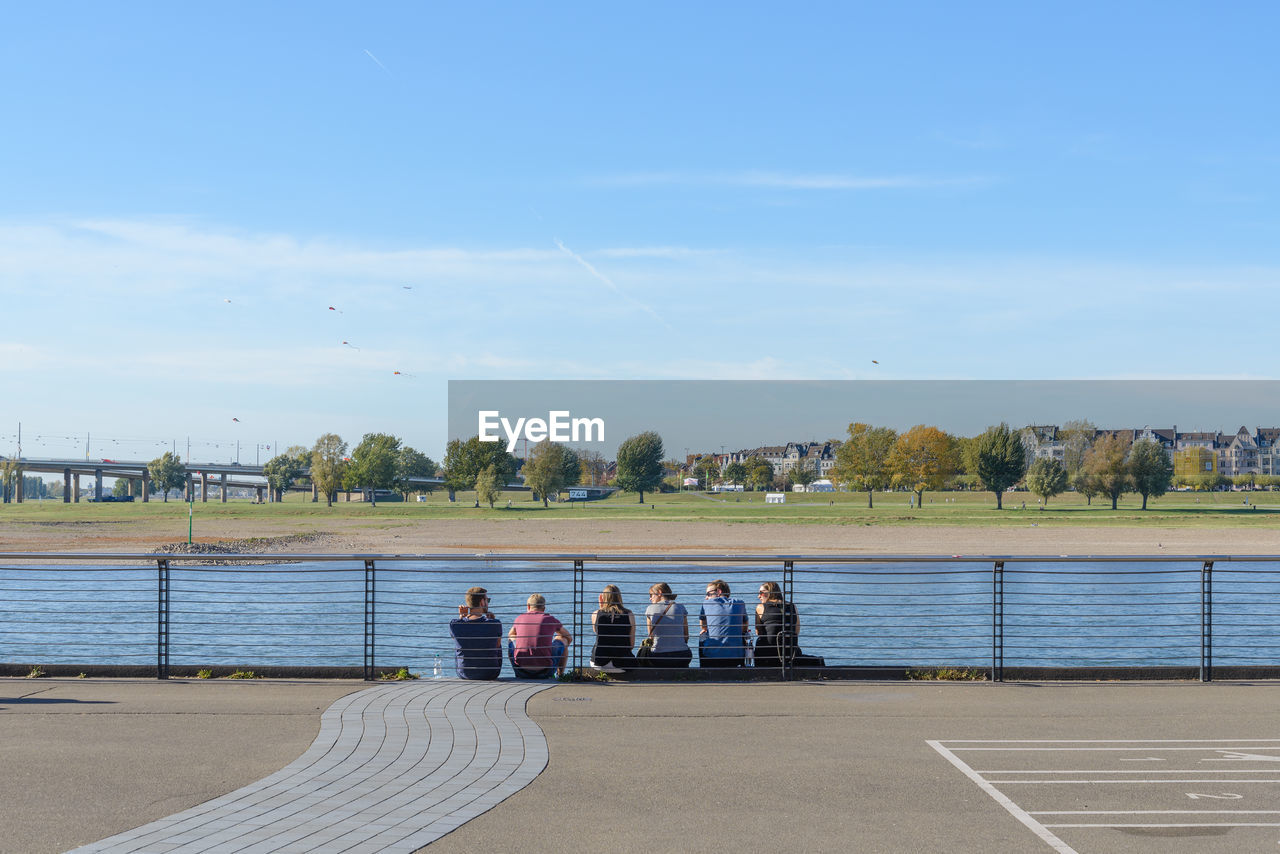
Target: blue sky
{"type": "Point", "coordinates": [662, 191]}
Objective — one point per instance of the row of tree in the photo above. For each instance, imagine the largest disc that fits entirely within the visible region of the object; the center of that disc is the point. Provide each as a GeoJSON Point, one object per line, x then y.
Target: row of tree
{"type": "Point", "coordinates": [874, 458]}
{"type": "Point", "coordinates": [487, 467]}
{"type": "Point", "coordinates": [380, 462]}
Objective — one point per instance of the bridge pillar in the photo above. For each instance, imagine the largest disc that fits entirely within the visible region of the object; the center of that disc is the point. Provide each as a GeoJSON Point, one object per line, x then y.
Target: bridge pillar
{"type": "Point", "coordinates": [97, 485]}
{"type": "Point", "coordinates": [146, 488]}
{"type": "Point", "coordinates": [66, 485]}
{"type": "Point", "coordinates": [18, 484]}
{"type": "Point", "coordinates": [204, 487]}
{"type": "Point", "coordinates": [259, 491]}
{"type": "Point", "coordinates": [75, 487]}
{"type": "Point", "coordinates": [223, 488]}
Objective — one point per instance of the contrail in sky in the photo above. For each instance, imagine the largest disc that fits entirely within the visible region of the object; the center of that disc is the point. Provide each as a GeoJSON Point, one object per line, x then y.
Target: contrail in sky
{"type": "Point", "coordinates": [617, 290]}
{"type": "Point", "coordinates": [375, 59]}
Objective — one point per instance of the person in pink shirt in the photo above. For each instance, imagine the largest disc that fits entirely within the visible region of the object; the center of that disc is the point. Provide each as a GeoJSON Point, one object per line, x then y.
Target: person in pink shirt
{"type": "Point", "coordinates": [537, 644]}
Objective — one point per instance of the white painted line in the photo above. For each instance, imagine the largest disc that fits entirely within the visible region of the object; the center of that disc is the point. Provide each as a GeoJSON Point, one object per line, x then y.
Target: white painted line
{"type": "Point", "coordinates": [1102, 740]}
{"type": "Point", "coordinates": [1059, 782]}
{"type": "Point", "coordinates": [1110, 749]}
{"type": "Point", "coordinates": [1158, 812]}
{"type": "Point", "coordinates": [1137, 771]}
{"type": "Point", "coordinates": [1215, 824]}
{"type": "Point", "coordinates": [1016, 811]}
{"type": "Point", "coordinates": [1238, 756]}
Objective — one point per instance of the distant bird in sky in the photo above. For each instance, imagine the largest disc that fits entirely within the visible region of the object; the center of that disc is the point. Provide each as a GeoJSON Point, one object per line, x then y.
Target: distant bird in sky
{"type": "Point", "coordinates": [349, 344]}
{"type": "Point", "coordinates": [874, 362]}
{"type": "Point", "coordinates": [403, 374]}
{"type": "Point", "coordinates": [237, 420]}
{"type": "Point", "coordinates": [407, 287]}
{"type": "Point", "coordinates": [331, 308]}
{"type": "Point", "coordinates": [226, 300]}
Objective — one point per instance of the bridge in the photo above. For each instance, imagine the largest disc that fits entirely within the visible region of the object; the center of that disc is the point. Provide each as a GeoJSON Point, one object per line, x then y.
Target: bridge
{"type": "Point", "coordinates": [228, 475]}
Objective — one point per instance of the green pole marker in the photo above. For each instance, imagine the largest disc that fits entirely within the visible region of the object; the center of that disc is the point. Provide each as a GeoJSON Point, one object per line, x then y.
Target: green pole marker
{"type": "Point", "coordinates": [191, 503]}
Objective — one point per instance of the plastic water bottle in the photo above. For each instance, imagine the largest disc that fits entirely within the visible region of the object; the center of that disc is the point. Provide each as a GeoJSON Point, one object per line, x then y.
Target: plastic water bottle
{"type": "Point", "coordinates": [435, 669]}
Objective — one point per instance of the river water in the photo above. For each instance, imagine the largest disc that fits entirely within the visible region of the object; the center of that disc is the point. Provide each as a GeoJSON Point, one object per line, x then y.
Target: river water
{"type": "Point", "coordinates": [313, 613]}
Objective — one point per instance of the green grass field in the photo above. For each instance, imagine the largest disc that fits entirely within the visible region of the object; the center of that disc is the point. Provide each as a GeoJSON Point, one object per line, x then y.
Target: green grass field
{"type": "Point", "coordinates": [1183, 509]}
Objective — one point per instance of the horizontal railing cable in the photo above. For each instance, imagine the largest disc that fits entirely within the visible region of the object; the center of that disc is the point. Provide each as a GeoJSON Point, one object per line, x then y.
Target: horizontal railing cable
{"type": "Point", "coordinates": [854, 610]}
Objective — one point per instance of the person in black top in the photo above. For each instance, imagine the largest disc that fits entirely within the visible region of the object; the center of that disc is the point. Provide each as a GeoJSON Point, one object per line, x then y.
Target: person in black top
{"type": "Point", "coordinates": [615, 629]}
{"type": "Point", "coordinates": [776, 621]}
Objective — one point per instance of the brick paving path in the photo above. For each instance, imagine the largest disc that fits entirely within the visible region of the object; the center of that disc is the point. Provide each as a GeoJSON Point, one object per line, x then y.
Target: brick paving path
{"type": "Point", "coordinates": [393, 768]}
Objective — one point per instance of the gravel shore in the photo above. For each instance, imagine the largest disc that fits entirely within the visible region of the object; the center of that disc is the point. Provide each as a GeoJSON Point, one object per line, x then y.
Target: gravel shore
{"type": "Point", "coordinates": [471, 536]}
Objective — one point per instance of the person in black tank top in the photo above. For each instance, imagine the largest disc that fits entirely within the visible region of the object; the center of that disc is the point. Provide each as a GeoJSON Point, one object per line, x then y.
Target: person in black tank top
{"type": "Point", "coordinates": [615, 629]}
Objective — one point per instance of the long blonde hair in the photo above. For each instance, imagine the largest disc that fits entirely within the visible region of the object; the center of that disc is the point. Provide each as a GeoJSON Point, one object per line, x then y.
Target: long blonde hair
{"type": "Point", "coordinates": [612, 600]}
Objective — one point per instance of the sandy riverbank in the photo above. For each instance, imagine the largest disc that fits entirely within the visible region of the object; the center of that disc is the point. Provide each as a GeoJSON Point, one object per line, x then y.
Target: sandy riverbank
{"type": "Point", "coordinates": [623, 536]}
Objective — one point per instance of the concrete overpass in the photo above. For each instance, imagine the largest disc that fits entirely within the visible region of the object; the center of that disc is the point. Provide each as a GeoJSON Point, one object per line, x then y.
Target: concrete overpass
{"type": "Point", "coordinates": [228, 476]}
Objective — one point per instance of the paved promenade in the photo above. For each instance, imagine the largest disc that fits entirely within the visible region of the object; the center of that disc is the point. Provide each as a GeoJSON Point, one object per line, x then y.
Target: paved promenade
{"type": "Point", "coordinates": [872, 767]}
{"type": "Point", "coordinates": [393, 768]}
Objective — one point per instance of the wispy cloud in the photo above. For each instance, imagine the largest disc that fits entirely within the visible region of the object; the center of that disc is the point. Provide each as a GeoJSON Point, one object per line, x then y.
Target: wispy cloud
{"type": "Point", "coordinates": [791, 180]}
{"type": "Point", "coordinates": [609, 282]}
{"type": "Point", "coordinates": [375, 59]}
{"type": "Point", "coordinates": [653, 252]}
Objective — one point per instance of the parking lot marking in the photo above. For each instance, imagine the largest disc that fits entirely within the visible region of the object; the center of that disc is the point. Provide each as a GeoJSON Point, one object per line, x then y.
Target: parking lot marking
{"type": "Point", "coordinates": [1159, 812]}
{"type": "Point", "coordinates": [1050, 811]}
{"type": "Point", "coordinates": [1103, 741]}
{"type": "Point", "coordinates": [1144, 824]}
{"type": "Point", "coordinates": [1229, 751]}
{"type": "Point", "coordinates": [1051, 782]}
{"type": "Point", "coordinates": [1016, 811]}
{"type": "Point", "coordinates": [1135, 771]}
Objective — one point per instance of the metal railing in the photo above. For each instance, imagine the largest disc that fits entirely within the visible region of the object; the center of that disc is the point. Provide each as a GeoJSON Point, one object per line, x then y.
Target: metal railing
{"type": "Point", "coordinates": [1174, 614]}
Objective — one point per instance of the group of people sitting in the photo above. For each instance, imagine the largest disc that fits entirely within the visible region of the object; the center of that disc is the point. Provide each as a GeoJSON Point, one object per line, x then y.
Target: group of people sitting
{"type": "Point", "coordinates": [538, 644]}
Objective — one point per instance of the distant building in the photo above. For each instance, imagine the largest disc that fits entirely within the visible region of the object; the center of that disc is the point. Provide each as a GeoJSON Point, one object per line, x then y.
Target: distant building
{"type": "Point", "coordinates": [1190, 462]}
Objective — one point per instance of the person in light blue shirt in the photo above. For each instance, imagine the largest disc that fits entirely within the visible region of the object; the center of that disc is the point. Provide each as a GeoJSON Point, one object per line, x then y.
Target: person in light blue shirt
{"type": "Point", "coordinates": [722, 641]}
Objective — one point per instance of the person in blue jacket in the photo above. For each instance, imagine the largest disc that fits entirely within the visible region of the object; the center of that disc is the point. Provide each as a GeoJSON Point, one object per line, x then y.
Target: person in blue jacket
{"type": "Point", "coordinates": [722, 641]}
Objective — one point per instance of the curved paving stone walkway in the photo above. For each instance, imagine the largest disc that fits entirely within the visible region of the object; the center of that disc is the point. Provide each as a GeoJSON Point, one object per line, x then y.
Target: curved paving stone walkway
{"type": "Point", "coordinates": [393, 768]}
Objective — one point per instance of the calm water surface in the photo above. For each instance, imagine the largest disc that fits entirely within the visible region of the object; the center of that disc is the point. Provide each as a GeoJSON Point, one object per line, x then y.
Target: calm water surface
{"type": "Point", "coordinates": [898, 614]}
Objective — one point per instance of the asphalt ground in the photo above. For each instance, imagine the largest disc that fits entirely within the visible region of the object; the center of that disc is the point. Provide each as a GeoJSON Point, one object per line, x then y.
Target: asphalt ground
{"type": "Point", "coordinates": [836, 766]}
{"type": "Point", "coordinates": [84, 759]}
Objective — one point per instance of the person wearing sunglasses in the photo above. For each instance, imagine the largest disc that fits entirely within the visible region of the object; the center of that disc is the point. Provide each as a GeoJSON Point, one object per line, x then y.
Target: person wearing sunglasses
{"type": "Point", "coordinates": [477, 636]}
{"type": "Point", "coordinates": [722, 639]}
{"type": "Point", "coordinates": [777, 626]}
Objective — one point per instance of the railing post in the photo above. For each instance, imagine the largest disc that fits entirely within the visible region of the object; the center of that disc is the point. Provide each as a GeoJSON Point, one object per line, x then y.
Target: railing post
{"type": "Point", "coordinates": [162, 618]}
{"type": "Point", "coordinates": [370, 590]}
{"type": "Point", "coordinates": [997, 622]}
{"type": "Point", "coordinates": [1206, 622]}
{"type": "Point", "coordinates": [579, 607]}
{"type": "Point", "coordinates": [788, 584]}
